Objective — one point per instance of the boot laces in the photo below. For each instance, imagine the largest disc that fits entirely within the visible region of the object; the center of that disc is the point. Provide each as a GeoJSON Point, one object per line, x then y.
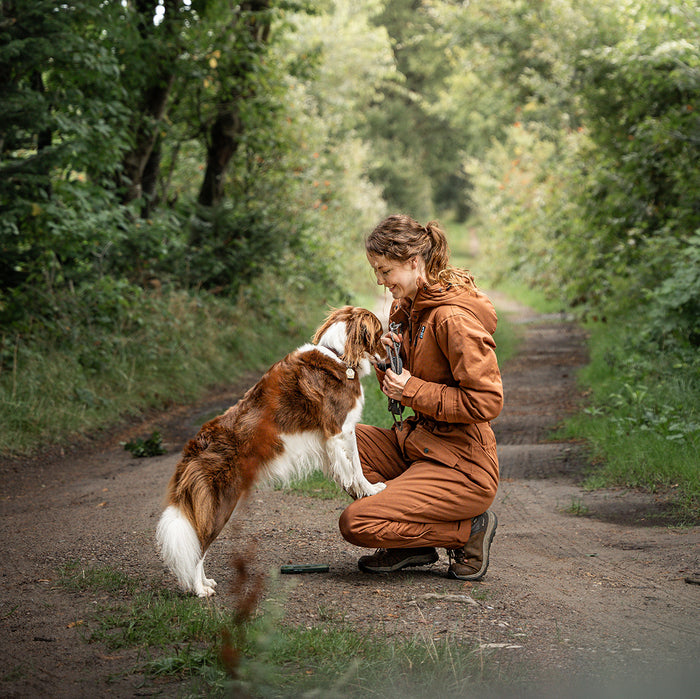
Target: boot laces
{"type": "Point", "coordinates": [456, 555]}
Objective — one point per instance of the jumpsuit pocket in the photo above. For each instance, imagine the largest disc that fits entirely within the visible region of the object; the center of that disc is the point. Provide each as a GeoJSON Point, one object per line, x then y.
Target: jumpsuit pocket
{"type": "Point", "coordinates": [483, 477]}
{"type": "Point", "coordinates": [423, 445]}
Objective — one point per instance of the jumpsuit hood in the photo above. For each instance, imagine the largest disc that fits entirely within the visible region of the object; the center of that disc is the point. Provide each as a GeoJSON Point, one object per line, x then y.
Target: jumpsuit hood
{"type": "Point", "coordinates": [471, 300]}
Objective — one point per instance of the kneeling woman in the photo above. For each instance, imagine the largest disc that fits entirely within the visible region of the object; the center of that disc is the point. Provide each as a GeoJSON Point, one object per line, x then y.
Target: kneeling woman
{"type": "Point", "coordinates": [440, 465]}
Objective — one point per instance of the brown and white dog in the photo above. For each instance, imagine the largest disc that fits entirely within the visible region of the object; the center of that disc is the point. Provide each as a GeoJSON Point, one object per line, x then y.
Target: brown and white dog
{"type": "Point", "coordinates": [300, 415]}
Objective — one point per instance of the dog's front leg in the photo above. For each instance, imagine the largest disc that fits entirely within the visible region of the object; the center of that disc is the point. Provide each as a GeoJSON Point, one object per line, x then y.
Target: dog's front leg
{"type": "Point", "coordinates": [366, 487]}
{"type": "Point", "coordinates": [346, 464]}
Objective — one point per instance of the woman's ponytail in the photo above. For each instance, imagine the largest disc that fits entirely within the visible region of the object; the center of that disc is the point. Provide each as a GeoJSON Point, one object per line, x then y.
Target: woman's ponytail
{"type": "Point", "coordinates": [438, 256]}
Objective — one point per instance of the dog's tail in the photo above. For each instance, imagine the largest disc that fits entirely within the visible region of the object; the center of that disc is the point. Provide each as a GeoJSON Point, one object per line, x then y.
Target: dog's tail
{"type": "Point", "coordinates": [179, 546]}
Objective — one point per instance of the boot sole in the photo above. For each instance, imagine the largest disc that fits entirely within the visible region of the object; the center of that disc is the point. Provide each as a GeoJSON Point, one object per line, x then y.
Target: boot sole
{"type": "Point", "coordinates": [422, 560]}
{"type": "Point", "coordinates": [488, 538]}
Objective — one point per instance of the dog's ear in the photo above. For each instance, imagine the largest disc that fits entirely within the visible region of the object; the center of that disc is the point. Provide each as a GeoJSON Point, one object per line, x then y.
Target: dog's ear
{"type": "Point", "coordinates": [353, 340]}
{"type": "Point", "coordinates": [363, 330]}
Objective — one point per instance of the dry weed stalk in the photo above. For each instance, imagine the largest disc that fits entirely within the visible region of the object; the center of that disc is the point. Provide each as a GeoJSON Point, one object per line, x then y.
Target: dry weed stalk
{"type": "Point", "coordinates": [247, 588]}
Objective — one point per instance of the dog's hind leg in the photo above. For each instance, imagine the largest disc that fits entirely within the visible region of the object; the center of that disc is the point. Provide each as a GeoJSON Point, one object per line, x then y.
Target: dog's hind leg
{"type": "Point", "coordinates": [208, 584]}
{"type": "Point", "coordinates": [182, 552]}
{"type": "Point", "coordinates": [205, 586]}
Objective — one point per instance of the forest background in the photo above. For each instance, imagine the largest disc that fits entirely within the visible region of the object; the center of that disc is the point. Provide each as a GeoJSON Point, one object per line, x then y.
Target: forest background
{"type": "Point", "coordinates": [185, 186]}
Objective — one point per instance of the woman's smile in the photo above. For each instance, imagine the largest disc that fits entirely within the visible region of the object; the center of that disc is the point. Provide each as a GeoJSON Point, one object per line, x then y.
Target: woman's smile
{"type": "Point", "coordinates": [400, 278]}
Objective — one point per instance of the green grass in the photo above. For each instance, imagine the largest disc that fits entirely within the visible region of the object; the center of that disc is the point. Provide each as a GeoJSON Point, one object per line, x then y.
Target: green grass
{"type": "Point", "coordinates": [315, 485]}
{"type": "Point", "coordinates": [529, 296]}
{"type": "Point", "coordinates": [577, 507]}
{"type": "Point", "coordinates": [180, 345]}
{"type": "Point", "coordinates": [642, 421]}
{"type": "Point", "coordinates": [177, 634]}
{"type": "Point", "coordinates": [221, 652]}
{"type": "Point", "coordinates": [508, 337]}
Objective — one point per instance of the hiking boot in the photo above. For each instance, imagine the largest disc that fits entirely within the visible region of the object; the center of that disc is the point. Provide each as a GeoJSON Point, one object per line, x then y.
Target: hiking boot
{"type": "Point", "coordinates": [389, 560]}
{"type": "Point", "coordinates": [471, 560]}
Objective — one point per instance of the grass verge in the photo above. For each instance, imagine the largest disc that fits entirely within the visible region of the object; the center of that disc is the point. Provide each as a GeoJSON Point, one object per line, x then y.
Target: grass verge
{"type": "Point", "coordinates": [180, 344]}
{"type": "Point", "coordinates": [220, 651]}
{"type": "Point", "coordinates": [642, 421]}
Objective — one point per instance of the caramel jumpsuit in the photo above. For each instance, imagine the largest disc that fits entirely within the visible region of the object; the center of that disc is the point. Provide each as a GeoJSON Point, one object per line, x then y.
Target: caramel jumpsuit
{"type": "Point", "coordinates": [440, 467]}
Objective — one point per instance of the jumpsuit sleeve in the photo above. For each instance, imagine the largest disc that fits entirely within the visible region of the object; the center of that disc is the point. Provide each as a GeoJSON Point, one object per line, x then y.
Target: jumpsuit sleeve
{"type": "Point", "coordinates": [477, 395]}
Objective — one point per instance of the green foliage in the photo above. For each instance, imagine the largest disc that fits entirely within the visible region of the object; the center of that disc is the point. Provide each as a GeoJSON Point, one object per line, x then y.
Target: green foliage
{"type": "Point", "coordinates": [642, 169]}
{"type": "Point", "coordinates": [79, 133]}
{"type": "Point", "coordinates": [164, 347]}
{"type": "Point", "coordinates": [110, 303]}
{"type": "Point", "coordinates": [599, 213]}
{"type": "Point", "coordinates": [142, 448]}
{"type": "Point", "coordinates": [675, 304]}
{"type": "Point", "coordinates": [234, 246]}
{"type": "Point", "coordinates": [417, 147]}
{"type": "Point", "coordinates": [58, 142]}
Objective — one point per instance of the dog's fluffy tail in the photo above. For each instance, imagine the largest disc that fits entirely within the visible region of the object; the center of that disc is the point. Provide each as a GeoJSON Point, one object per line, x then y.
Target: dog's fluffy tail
{"type": "Point", "coordinates": [180, 547]}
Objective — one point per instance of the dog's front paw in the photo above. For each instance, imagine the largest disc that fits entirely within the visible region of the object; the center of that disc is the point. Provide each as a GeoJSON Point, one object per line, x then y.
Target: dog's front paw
{"type": "Point", "coordinates": [363, 490]}
{"type": "Point", "coordinates": [376, 488]}
{"type": "Point", "coordinates": [367, 489]}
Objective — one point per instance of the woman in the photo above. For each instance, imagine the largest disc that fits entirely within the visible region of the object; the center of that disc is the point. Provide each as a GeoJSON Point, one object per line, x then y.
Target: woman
{"type": "Point", "coordinates": [440, 465]}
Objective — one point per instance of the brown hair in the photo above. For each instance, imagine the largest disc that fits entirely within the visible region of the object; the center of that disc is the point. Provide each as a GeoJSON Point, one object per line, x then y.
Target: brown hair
{"type": "Point", "coordinates": [400, 238]}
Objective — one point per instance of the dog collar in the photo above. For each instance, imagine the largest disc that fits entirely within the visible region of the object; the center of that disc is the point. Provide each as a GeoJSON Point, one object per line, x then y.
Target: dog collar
{"type": "Point", "coordinates": [349, 371]}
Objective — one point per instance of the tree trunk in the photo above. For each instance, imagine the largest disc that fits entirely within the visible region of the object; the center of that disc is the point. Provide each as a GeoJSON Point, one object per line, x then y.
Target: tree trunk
{"type": "Point", "coordinates": [150, 115]}
{"type": "Point", "coordinates": [223, 141]}
{"type": "Point", "coordinates": [155, 98]}
{"type": "Point", "coordinates": [225, 132]}
{"type": "Point", "coordinates": [149, 179]}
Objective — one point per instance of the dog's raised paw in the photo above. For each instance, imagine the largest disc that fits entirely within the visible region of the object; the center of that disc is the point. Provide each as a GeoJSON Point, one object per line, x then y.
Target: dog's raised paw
{"type": "Point", "coordinates": [376, 488]}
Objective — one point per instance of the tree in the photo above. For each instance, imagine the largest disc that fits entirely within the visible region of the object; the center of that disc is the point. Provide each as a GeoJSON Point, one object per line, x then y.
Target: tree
{"type": "Point", "coordinates": [154, 49]}
{"type": "Point", "coordinates": [61, 137]}
{"type": "Point", "coordinates": [238, 70]}
{"type": "Point", "coordinates": [417, 147]}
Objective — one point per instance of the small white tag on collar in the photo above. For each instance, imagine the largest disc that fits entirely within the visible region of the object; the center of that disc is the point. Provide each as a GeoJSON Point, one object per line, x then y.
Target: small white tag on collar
{"type": "Point", "coordinates": [350, 372]}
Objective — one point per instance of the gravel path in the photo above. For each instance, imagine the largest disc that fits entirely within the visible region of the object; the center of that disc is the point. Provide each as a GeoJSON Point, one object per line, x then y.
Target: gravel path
{"type": "Point", "coordinates": [588, 586]}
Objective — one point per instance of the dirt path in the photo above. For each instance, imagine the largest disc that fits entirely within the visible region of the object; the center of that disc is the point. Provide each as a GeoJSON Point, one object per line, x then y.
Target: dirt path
{"type": "Point", "coordinates": [594, 597]}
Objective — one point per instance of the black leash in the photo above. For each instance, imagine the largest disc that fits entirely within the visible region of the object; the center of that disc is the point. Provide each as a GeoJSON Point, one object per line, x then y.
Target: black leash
{"type": "Point", "coordinates": [395, 407]}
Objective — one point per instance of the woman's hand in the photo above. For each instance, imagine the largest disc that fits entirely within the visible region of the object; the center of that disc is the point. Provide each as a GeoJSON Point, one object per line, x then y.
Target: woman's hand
{"type": "Point", "coordinates": [394, 383]}
{"type": "Point", "coordinates": [389, 338]}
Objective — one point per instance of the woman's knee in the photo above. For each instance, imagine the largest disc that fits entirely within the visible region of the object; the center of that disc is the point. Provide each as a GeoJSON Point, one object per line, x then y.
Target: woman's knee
{"type": "Point", "coordinates": [346, 523]}
{"type": "Point", "coordinates": [355, 525]}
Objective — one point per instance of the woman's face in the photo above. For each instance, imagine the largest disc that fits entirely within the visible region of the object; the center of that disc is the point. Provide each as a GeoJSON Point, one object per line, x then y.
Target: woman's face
{"type": "Point", "coordinates": [400, 278]}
